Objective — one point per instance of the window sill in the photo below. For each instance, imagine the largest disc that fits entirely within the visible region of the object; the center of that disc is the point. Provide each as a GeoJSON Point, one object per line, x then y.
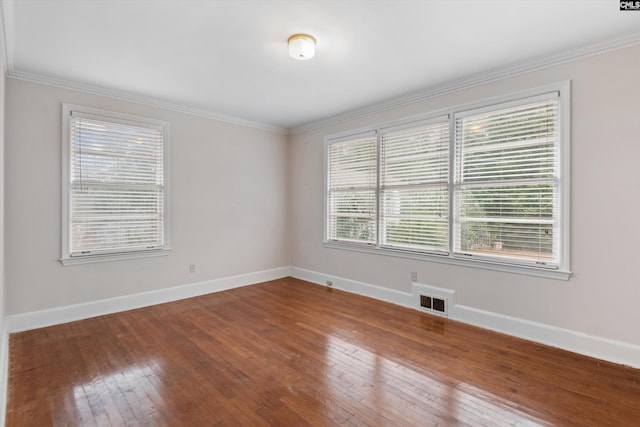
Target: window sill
{"type": "Point", "coordinates": [90, 259]}
{"type": "Point", "coordinates": [451, 260]}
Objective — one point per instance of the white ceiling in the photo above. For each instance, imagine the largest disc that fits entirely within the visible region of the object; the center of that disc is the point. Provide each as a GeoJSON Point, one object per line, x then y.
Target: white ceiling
{"type": "Point", "coordinates": [229, 57]}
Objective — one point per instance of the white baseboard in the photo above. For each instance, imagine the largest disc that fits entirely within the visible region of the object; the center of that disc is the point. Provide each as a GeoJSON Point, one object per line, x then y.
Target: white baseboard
{"type": "Point", "coordinates": [378, 292]}
{"type": "Point", "coordinates": [566, 339]}
{"type": "Point", "coordinates": [69, 313]}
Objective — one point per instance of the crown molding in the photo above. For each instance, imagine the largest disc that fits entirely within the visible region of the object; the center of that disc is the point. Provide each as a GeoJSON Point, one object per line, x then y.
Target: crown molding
{"type": "Point", "coordinates": [540, 63]}
{"type": "Point", "coordinates": [6, 30]}
{"type": "Point", "coordinates": [479, 79]}
{"type": "Point", "coordinates": [138, 99]}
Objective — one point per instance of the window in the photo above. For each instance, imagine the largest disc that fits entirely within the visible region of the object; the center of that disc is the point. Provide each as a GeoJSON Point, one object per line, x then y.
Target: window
{"type": "Point", "coordinates": [114, 186]}
{"type": "Point", "coordinates": [352, 190]}
{"type": "Point", "coordinates": [485, 185]}
{"type": "Point", "coordinates": [506, 182]}
{"type": "Point", "coordinates": [414, 187]}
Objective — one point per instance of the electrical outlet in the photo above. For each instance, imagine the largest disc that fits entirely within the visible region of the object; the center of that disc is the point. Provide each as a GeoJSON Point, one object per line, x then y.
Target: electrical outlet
{"type": "Point", "coordinates": [329, 283]}
{"type": "Point", "coordinates": [192, 268]}
{"type": "Point", "coordinates": [414, 276]}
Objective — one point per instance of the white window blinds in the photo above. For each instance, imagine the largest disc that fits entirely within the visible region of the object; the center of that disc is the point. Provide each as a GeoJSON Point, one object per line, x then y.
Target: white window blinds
{"type": "Point", "coordinates": [506, 182]}
{"type": "Point", "coordinates": [352, 194]}
{"type": "Point", "coordinates": [486, 184]}
{"type": "Point", "coordinates": [116, 185]}
{"type": "Point", "coordinates": [415, 187]}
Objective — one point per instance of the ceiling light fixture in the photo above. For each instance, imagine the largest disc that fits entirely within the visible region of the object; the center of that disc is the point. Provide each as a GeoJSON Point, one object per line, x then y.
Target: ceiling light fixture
{"type": "Point", "coordinates": [302, 46]}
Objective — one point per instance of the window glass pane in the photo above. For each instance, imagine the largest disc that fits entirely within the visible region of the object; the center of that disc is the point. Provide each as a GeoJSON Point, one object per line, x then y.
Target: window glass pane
{"type": "Point", "coordinates": [416, 218]}
{"type": "Point", "coordinates": [352, 164]}
{"type": "Point", "coordinates": [513, 143]}
{"type": "Point", "coordinates": [416, 156]}
{"type": "Point", "coordinates": [116, 218]}
{"type": "Point", "coordinates": [353, 215]}
{"type": "Point", "coordinates": [512, 221]}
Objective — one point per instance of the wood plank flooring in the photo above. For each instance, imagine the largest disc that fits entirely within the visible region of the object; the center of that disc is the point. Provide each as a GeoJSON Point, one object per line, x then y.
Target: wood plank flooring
{"type": "Point", "coordinates": [290, 353]}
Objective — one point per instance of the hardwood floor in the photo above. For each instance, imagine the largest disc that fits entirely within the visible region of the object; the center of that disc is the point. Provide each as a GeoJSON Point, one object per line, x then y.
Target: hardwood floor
{"type": "Point", "coordinates": [290, 353]}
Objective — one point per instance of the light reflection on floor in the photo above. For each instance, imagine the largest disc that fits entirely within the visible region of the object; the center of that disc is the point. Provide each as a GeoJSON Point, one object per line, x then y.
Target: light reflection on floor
{"type": "Point", "coordinates": [140, 381]}
{"type": "Point", "coordinates": [373, 380]}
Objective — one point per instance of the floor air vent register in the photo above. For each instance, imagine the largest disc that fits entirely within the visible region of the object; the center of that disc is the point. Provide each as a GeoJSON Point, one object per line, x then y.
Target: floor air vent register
{"type": "Point", "coordinates": [434, 305]}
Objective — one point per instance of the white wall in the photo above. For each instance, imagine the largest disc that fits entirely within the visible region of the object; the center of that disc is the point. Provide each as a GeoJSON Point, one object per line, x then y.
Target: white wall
{"type": "Point", "coordinates": [601, 297]}
{"type": "Point", "coordinates": [3, 337]}
{"type": "Point", "coordinates": [229, 204]}
{"type": "Point", "coordinates": [2, 185]}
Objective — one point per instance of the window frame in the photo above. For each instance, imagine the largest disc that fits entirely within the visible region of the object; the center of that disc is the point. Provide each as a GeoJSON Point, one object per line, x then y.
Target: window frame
{"type": "Point", "coordinates": [66, 257]}
{"type": "Point", "coordinates": [561, 271]}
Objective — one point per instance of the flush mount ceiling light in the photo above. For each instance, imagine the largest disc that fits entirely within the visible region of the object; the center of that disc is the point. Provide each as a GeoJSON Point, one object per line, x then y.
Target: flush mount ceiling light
{"type": "Point", "coordinates": [302, 46]}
